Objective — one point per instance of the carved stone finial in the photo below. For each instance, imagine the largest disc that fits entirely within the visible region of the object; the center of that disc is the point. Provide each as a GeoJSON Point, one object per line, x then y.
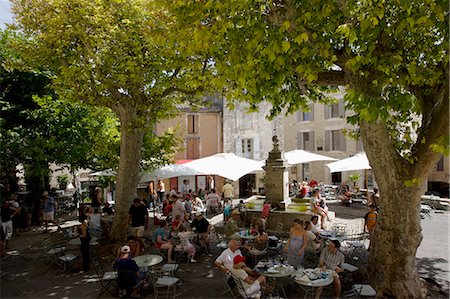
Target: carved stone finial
{"type": "Point", "coordinates": [275, 141]}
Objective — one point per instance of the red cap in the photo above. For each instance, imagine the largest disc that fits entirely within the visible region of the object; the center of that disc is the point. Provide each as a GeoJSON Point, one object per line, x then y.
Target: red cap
{"type": "Point", "coordinates": [238, 259]}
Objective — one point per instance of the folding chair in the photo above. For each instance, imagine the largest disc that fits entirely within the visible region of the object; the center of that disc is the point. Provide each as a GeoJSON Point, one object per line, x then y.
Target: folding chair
{"type": "Point", "coordinates": [163, 285]}
{"type": "Point", "coordinates": [56, 253]}
{"type": "Point", "coordinates": [108, 280]}
{"type": "Point", "coordinates": [361, 290]}
{"type": "Point", "coordinates": [229, 286]}
{"type": "Point", "coordinates": [241, 289]}
{"type": "Point", "coordinates": [128, 282]}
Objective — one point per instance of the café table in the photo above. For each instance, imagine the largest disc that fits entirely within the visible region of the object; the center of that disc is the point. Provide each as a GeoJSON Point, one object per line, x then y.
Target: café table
{"type": "Point", "coordinates": [148, 260]}
{"type": "Point", "coordinates": [331, 235]}
{"type": "Point", "coordinates": [277, 272]}
{"type": "Point", "coordinates": [243, 234]}
{"type": "Point", "coordinates": [77, 242]}
{"type": "Point", "coordinates": [310, 280]}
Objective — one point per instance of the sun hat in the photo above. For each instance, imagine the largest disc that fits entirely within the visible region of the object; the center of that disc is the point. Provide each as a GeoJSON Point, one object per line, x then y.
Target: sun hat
{"type": "Point", "coordinates": [235, 212]}
{"type": "Point", "coordinates": [125, 249]}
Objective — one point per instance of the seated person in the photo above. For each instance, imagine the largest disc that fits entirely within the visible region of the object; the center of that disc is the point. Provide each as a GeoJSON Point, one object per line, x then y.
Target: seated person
{"type": "Point", "coordinates": [202, 227]}
{"type": "Point", "coordinates": [187, 246]}
{"type": "Point", "coordinates": [344, 194]}
{"type": "Point", "coordinates": [177, 224]}
{"type": "Point", "coordinates": [260, 243]}
{"type": "Point", "coordinates": [315, 226]}
{"type": "Point", "coordinates": [316, 208]}
{"type": "Point", "coordinates": [159, 237]}
{"type": "Point", "coordinates": [135, 246]}
{"type": "Point", "coordinates": [197, 203]}
{"type": "Point", "coordinates": [304, 190]}
{"type": "Point", "coordinates": [232, 227]}
{"type": "Point", "coordinates": [107, 209]}
{"type": "Point", "coordinates": [125, 265]}
{"type": "Point", "coordinates": [251, 280]}
{"type": "Point", "coordinates": [331, 258]}
{"type": "Point", "coordinates": [167, 209]}
{"type": "Point", "coordinates": [314, 242]}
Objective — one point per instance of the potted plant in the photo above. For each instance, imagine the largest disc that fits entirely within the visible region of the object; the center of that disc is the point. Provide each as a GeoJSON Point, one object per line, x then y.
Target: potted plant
{"type": "Point", "coordinates": [62, 181]}
{"type": "Point", "coordinates": [354, 178]}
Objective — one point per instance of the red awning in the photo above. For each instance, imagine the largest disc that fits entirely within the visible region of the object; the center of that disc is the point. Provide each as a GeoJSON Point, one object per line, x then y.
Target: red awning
{"type": "Point", "coordinates": [182, 161]}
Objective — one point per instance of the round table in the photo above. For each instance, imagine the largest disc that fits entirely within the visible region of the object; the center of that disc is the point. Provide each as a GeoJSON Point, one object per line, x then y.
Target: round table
{"type": "Point", "coordinates": [278, 273]}
{"type": "Point", "coordinates": [308, 286]}
{"type": "Point", "coordinates": [148, 260]}
{"type": "Point", "coordinates": [77, 242]}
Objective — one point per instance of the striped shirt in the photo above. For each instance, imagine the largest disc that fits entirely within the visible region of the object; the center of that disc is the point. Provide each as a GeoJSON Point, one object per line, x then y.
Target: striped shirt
{"type": "Point", "coordinates": [331, 260]}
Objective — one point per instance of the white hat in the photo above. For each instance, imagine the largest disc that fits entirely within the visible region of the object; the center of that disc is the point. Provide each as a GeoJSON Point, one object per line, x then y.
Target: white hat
{"type": "Point", "coordinates": [125, 249]}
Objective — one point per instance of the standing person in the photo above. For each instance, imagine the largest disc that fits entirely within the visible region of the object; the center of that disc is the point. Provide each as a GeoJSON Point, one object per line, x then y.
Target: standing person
{"type": "Point", "coordinates": [7, 212]}
{"type": "Point", "coordinates": [138, 218]}
{"type": "Point", "coordinates": [296, 245]}
{"type": "Point", "coordinates": [178, 208]}
{"type": "Point", "coordinates": [370, 222]}
{"type": "Point", "coordinates": [161, 191]}
{"type": "Point", "coordinates": [374, 199]}
{"type": "Point", "coordinates": [185, 187]}
{"type": "Point", "coordinates": [97, 201]}
{"type": "Point", "coordinates": [49, 209]}
{"type": "Point", "coordinates": [213, 201]}
{"type": "Point", "coordinates": [228, 191]}
{"type": "Point", "coordinates": [85, 239]}
{"type": "Point", "coordinates": [265, 212]}
{"type": "Point", "coordinates": [151, 195]}
{"type": "Point", "coordinates": [331, 258]}
{"type": "Point", "coordinates": [201, 194]}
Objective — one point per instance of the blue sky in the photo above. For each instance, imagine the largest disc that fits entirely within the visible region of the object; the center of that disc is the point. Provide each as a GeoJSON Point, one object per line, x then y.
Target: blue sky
{"type": "Point", "coordinates": [5, 14]}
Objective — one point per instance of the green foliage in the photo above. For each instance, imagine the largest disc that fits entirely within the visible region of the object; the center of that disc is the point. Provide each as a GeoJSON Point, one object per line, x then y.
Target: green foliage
{"type": "Point", "coordinates": [354, 177]}
{"type": "Point", "coordinates": [63, 179]}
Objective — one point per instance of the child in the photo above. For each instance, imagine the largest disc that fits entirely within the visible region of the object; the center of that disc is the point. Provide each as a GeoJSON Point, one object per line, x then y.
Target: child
{"type": "Point", "coordinates": [370, 221]}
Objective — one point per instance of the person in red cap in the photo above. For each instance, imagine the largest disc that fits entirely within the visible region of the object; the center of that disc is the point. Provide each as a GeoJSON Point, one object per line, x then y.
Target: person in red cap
{"type": "Point", "coordinates": [251, 280]}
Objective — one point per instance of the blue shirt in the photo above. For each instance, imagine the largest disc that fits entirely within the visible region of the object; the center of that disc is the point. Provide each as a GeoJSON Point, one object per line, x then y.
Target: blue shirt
{"type": "Point", "coordinates": [159, 232]}
{"type": "Point", "coordinates": [49, 204]}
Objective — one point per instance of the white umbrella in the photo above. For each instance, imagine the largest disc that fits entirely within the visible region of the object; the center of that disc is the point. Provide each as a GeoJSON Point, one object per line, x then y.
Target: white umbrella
{"type": "Point", "coordinates": [106, 172]}
{"type": "Point", "coordinates": [357, 162]}
{"type": "Point", "coordinates": [226, 165]}
{"type": "Point", "coordinates": [170, 171]}
{"type": "Point", "coordinates": [301, 156]}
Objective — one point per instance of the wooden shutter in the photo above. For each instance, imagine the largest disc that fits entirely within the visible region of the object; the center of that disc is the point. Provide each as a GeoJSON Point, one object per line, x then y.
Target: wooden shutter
{"type": "Point", "coordinates": [311, 113]}
{"type": "Point", "coordinates": [312, 142]}
{"type": "Point", "coordinates": [193, 148]}
{"type": "Point", "coordinates": [342, 142]}
{"type": "Point", "coordinates": [193, 127]}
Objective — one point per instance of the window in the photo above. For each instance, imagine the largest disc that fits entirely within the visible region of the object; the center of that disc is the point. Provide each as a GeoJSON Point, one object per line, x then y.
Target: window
{"type": "Point", "coordinates": [247, 148]}
{"type": "Point", "coordinates": [192, 123]}
{"type": "Point", "coordinates": [359, 145]}
{"type": "Point", "coordinates": [335, 110]}
{"type": "Point", "coordinates": [192, 148]}
{"type": "Point", "coordinates": [334, 140]}
{"type": "Point", "coordinates": [306, 115]}
{"type": "Point", "coordinates": [305, 141]}
{"type": "Point", "coordinates": [440, 164]}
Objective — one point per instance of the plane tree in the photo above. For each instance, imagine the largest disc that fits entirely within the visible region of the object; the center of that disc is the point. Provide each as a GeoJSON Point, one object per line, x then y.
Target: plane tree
{"type": "Point", "coordinates": [113, 54]}
{"type": "Point", "coordinates": [392, 58]}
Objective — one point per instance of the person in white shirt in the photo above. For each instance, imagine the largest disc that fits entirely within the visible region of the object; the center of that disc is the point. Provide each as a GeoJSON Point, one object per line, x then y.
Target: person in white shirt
{"type": "Point", "coordinates": [225, 260]}
{"type": "Point", "coordinates": [315, 226]}
{"type": "Point", "coordinates": [197, 203]}
{"type": "Point", "coordinates": [314, 242]}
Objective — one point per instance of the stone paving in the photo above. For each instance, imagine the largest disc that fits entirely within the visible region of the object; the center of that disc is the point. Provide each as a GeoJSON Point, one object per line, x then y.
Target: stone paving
{"type": "Point", "coordinates": [25, 272]}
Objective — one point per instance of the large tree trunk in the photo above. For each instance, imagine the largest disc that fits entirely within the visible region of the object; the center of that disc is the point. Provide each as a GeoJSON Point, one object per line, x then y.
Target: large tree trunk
{"type": "Point", "coordinates": [392, 261]}
{"type": "Point", "coordinates": [128, 171]}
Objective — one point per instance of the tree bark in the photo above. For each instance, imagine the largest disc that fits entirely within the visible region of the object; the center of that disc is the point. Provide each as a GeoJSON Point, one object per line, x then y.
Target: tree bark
{"type": "Point", "coordinates": [392, 261]}
{"type": "Point", "coordinates": [131, 136]}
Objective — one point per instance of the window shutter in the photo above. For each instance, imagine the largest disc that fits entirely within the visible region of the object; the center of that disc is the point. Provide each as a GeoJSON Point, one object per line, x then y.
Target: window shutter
{"type": "Point", "coordinates": [341, 108]}
{"type": "Point", "coordinates": [312, 141]}
{"type": "Point", "coordinates": [299, 140]}
{"type": "Point", "coordinates": [238, 147]}
{"type": "Point", "coordinates": [255, 148]}
{"type": "Point", "coordinates": [342, 141]}
{"type": "Point", "coordinates": [311, 114]}
{"type": "Point", "coordinates": [299, 116]}
{"type": "Point", "coordinates": [327, 140]}
{"type": "Point", "coordinates": [327, 112]}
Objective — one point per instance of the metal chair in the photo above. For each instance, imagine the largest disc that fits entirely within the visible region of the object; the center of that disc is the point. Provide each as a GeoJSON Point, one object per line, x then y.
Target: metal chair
{"type": "Point", "coordinates": [56, 253]}
{"type": "Point", "coordinates": [241, 289]}
{"type": "Point", "coordinates": [128, 283]}
{"type": "Point", "coordinates": [108, 280]}
{"type": "Point", "coordinates": [163, 285]}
